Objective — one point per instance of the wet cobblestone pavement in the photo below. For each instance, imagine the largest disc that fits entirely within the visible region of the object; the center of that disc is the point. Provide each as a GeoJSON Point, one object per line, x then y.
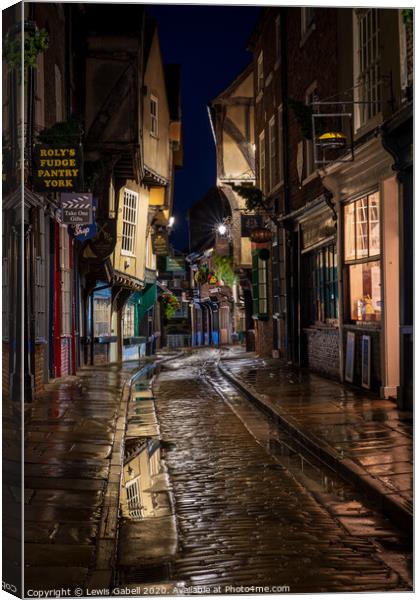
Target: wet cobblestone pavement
{"type": "Point", "coordinates": [242, 517]}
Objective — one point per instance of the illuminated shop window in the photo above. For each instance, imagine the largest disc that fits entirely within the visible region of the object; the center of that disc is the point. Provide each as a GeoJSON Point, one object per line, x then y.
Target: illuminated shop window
{"type": "Point", "coordinates": [362, 248]}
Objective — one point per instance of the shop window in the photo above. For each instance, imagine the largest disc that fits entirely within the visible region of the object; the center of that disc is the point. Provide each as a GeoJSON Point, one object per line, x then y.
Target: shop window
{"type": "Point", "coordinates": [102, 317]}
{"type": "Point", "coordinates": [128, 320]}
{"type": "Point", "coordinates": [361, 254]}
{"type": "Point", "coordinates": [129, 222]}
{"type": "Point", "coordinates": [321, 295]}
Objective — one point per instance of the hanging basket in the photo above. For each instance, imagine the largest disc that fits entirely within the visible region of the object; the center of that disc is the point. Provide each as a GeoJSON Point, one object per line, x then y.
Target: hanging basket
{"type": "Point", "coordinates": [261, 235]}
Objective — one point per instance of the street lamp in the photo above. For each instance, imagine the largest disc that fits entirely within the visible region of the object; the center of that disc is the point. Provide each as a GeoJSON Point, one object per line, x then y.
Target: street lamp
{"type": "Point", "coordinates": [222, 229]}
{"type": "Point", "coordinates": [171, 221]}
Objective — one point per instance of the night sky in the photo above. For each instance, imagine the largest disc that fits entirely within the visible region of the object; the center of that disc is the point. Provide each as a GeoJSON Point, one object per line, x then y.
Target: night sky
{"type": "Point", "coordinates": [209, 42]}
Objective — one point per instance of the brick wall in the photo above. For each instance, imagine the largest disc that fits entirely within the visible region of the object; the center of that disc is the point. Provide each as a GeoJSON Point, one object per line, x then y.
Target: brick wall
{"type": "Point", "coordinates": [312, 59]}
{"type": "Point", "coordinates": [322, 351]}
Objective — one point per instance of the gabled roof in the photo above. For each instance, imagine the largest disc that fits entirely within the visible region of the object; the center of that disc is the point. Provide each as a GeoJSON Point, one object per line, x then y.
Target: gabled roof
{"type": "Point", "coordinates": [235, 83]}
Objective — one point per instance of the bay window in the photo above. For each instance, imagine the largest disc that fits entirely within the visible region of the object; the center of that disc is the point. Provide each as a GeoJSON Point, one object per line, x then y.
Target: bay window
{"type": "Point", "coordinates": [362, 257]}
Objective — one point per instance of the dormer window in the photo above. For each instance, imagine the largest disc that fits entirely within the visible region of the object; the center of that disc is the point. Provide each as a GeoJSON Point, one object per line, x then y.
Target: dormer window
{"type": "Point", "coordinates": [154, 113]}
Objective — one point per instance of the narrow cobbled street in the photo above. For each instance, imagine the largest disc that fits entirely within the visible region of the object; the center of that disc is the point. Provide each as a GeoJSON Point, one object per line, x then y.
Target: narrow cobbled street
{"type": "Point", "coordinates": [244, 520]}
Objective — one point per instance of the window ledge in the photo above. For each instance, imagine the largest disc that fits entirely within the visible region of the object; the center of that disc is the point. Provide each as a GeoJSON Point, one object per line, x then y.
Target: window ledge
{"type": "Point", "coordinates": [127, 253]}
{"type": "Point", "coordinates": [363, 325]}
{"type": "Point", "coordinates": [321, 327]}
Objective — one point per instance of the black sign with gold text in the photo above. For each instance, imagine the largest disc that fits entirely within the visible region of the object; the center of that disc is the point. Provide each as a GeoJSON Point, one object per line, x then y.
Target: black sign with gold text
{"type": "Point", "coordinates": [57, 168]}
{"type": "Point", "coordinates": [160, 243]}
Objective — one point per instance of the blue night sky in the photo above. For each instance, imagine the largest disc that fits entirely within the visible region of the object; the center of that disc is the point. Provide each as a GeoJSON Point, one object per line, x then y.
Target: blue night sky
{"type": "Point", "coordinates": [209, 42]}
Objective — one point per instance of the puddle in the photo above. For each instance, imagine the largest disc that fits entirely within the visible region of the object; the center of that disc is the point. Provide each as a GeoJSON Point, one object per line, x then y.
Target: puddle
{"type": "Point", "coordinates": [147, 526]}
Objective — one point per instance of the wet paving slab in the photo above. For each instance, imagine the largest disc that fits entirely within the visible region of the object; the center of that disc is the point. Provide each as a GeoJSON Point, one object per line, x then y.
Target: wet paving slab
{"type": "Point", "coordinates": [356, 425]}
{"type": "Point", "coordinates": [249, 508]}
{"type": "Point", "coordinates": [68, 441]}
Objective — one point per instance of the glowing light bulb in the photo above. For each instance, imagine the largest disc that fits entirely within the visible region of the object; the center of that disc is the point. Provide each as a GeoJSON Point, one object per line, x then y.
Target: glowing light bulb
{"type": "Point", "coordinates": [222, 229]}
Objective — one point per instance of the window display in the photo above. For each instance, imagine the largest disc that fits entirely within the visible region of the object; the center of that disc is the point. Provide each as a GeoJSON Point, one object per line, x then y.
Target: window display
{"type": "Point", "coordinates": [361, 252]}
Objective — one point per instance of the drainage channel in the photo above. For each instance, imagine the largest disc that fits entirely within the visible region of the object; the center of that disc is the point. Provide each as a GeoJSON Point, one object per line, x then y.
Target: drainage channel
{"type": "Point", "coordinates": [352, 509]}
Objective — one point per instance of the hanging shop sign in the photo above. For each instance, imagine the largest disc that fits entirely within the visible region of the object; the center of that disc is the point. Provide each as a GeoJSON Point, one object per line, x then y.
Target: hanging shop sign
{"type": "Point", "coordinates": [103, 244]}
{"type": "Point", "coordinates": [248, 223]}
{"type": "Point", "coordinates": [175, 264]}
{"type": "Point", "coordinates": [160, 243]}
{"type": "Point", "coordinates": [56, 169]}
{"type": "Point", "coordinates": [83, 233]}
{"type": "Point", "coordinates": [76, 208]}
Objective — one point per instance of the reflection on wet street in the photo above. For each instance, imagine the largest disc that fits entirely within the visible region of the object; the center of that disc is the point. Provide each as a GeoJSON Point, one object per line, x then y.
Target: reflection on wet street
{"type": "Point", "coordinates": [214, 494]}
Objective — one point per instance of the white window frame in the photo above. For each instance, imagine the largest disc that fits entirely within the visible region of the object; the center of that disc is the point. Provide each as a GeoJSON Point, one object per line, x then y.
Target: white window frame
{"type": "Point", "coordinates": [102, 316]}
{"type": "Point", "coordinates": [128, 320]}
{"type": "Point", "coordinates": [129, 222]}
{"type": "Point", "coordinates": [134, 497]}
{"type": "Point", "coordinates": [65, 273]}
{"type": "Point", "coordinates": [272, 151]}
{"type": "Point", "coordinates": [261, 159]}
{"type": "Point", "coordinates": [154, 118]}
{"type": "Point", "coordinates": [366, 67]}
{"type": "Point", "coordinates": [260, 72]}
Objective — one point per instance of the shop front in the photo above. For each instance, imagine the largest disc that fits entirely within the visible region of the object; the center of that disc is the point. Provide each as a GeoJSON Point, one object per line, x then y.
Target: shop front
{"type": "Point", "coordinates": [366, 199]}
{"type": "Point", "coordinates": [319, 293]}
